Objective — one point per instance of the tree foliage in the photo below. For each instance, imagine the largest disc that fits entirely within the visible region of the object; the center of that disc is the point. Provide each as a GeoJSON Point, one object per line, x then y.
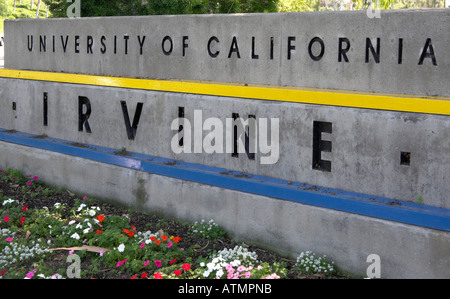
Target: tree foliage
{"type": "Point", "coordinates": [92, 8]}
{"type": "Point", "coordinates": [4, 9]}
{"type": "Point", "coordinates": [298, 5]}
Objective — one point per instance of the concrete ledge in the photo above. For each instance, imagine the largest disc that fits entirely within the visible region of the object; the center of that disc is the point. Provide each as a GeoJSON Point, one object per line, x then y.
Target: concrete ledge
{"type": "Point", "coordinates": [362, 204]}
{"type": "Point", "coordinates": [406, 251]}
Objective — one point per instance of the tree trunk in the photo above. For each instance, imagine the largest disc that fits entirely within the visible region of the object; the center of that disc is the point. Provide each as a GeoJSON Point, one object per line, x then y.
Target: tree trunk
{"type": "Point", "coordinates": [37, 8]}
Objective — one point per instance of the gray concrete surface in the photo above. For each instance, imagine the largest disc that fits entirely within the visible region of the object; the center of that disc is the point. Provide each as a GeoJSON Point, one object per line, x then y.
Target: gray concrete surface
{"type": "Point", "coordinates": [366, 144]}
{"type": "Point", "coordinates": [244, 48]}
{"type": "Point", "coordinates": [289, 228]}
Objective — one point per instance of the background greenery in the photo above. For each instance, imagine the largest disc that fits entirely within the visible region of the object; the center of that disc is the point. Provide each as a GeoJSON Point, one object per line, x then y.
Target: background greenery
{"type": "Point", "coordinates": [22, 9]}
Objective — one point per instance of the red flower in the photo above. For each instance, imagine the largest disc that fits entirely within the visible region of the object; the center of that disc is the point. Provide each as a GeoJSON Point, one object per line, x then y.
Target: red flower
{"type": "Point", "coordinates": [157, 276]}
{"type": "Point", "coordinates": [172, 261]}
{"type": "Point", "coordinates": [186, 267]}
{"type": "Point", "coordinates": [153, 238]}
{"type": "Point", "coordinates": [164, 238]}
{"type": "Point", "coordinates": [176, 239]}
{"type": "Point", "coordinates": [133, 277]}
{"type": "Point", "coordinates": [99, 231]}
{"type": "Point", "coordinates": [100, 218]}
{"type": "Point", "coordinates": [144, 274]}
{"type": "Point", "coordinates": [177, 272]}
{"type": "Point", "coordinates": [158, 242]}
{"type": "Point", "coordinates": [130, 233]}
{"type": "Point", "coordinates": [22, 220]}
{"type": "Point", "coordinates": [24, 208]}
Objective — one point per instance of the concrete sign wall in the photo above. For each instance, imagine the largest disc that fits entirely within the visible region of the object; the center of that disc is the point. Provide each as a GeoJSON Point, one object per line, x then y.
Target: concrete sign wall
{"type": "Point", "coordinates": [402, 52]}
{"type": "Point", "coordinates": [335, 125]}
{"type": "Point", "coordinates": [397, 155]}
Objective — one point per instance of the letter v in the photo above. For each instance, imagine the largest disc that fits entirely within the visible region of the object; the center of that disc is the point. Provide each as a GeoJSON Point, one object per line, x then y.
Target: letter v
{"type": "Point", "coordinates": [131, 129]}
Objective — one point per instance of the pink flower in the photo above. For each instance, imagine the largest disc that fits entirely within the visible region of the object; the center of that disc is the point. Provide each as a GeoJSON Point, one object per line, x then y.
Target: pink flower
{"type": "Point", "coordinates": [30, 274]}
{"type": "Point", "coordinates": [146, 263]}
{"type": "Point", "coordinates": [71, 252]}
{"type": "Point", "coordinates": [157, 276]}
{"type": "Point", "coordinates": [4, 271]}
{"type": "Point", "coordinates": [158, 263]}
{"type": "Point", "coordinates": [29, 183]}
{"type": "Point", "coordinates": [142, 245]}
{"type": "Point", "coordinates": [85, 197]}
{"type": "Point", "coordinates": [169, 245]}
{"type": "Point", "coordinates": [6, 219]}
{"type": "Point", "coordinates": [120, 263]}
{"type": "Point", "coordinates": [248, 274]}
{"type": "Point", "coordinates": [9, 239]}
{"type": "Point", "coordinates": [35, 178]}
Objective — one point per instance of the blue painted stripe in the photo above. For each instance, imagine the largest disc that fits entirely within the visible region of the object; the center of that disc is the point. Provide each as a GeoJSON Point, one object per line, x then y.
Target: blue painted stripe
{"type": "Point", "coordinates": [351, 202]}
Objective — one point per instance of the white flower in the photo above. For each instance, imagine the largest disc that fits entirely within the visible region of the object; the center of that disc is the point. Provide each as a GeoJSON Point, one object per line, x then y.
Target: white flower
{"type": "Point", "coordinates": [9, 200]}
{"type": "Point", "coordinates": [81, 207]}
{"type": "Point", "coordinates": [92, 213]}
{"type": "Point", "coordinates": [72, 222]}
{"type": "Point", "coordinates": [85, 231]}
{"type": "Point", "coordinates": [75, 236]}
{"type": "Point", "coordinates": [121, 247]}
{"type": "Point", "coordinates": [235, 263]}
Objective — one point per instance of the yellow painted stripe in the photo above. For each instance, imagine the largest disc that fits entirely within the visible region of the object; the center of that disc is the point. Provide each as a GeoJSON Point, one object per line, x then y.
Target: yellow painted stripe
{"type": "Point", "coordinates": [379, 101]}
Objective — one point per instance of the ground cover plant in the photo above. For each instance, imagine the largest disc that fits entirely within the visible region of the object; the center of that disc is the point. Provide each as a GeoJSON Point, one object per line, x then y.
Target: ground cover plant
{"type": "Point", "coordinates": [48, 233]}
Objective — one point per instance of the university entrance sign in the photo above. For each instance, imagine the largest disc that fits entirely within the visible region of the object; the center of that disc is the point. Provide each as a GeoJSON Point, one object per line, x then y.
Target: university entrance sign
{"type": "Point", "coordinates": [327, 122]}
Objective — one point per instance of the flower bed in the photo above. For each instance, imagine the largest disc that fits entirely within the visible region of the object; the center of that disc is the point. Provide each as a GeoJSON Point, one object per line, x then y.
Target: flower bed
{"type": "Point", "coordinates": [53, 233]}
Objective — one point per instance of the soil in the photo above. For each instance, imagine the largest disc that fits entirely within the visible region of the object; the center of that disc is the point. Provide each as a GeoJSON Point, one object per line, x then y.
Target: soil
{"type": "Point", "coordinates": [142, 222]}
